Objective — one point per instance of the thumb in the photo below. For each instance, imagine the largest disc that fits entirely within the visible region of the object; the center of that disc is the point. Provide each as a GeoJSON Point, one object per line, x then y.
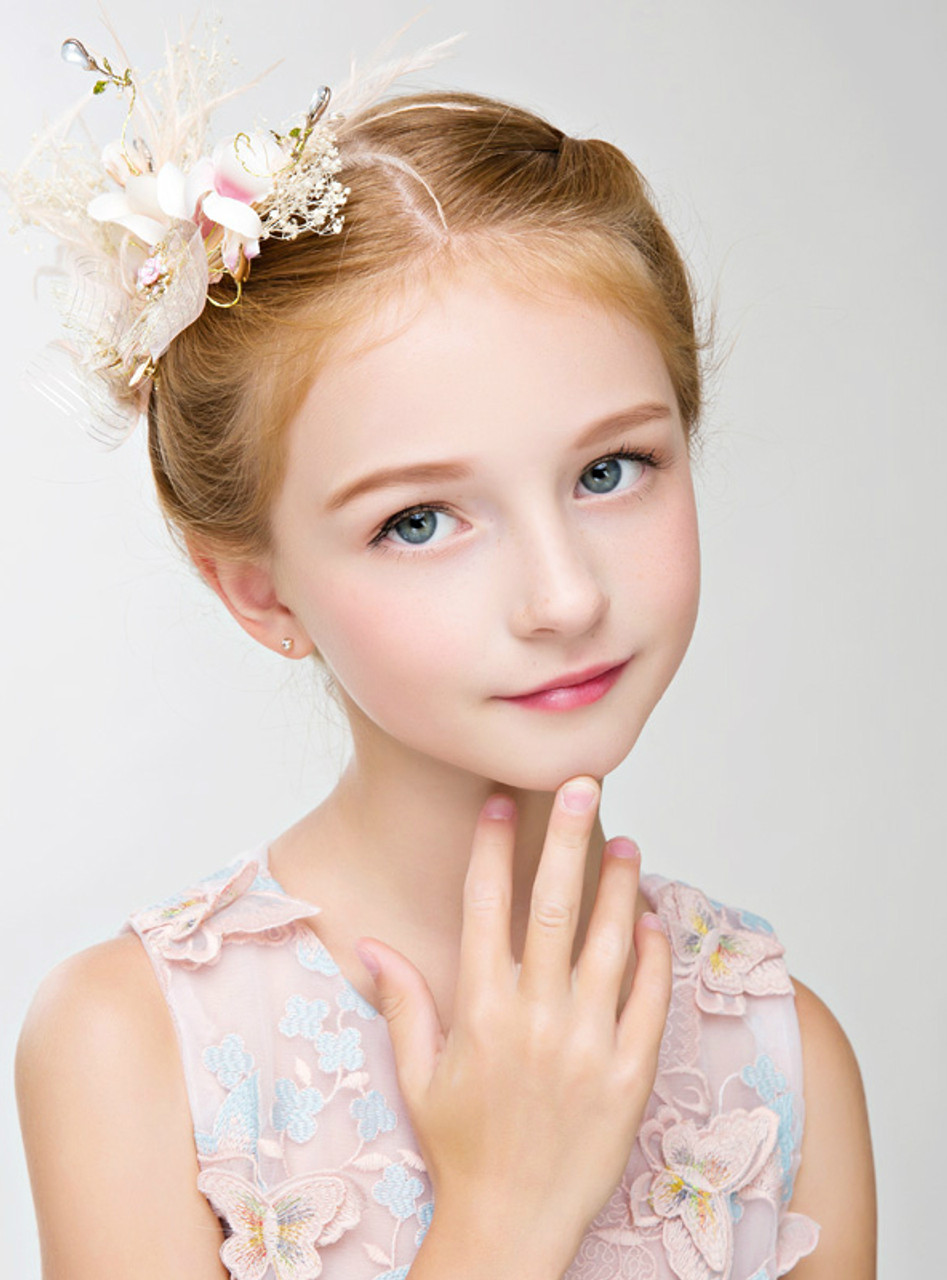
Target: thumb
{"type": "Point", "coordinates": [405, 1000]}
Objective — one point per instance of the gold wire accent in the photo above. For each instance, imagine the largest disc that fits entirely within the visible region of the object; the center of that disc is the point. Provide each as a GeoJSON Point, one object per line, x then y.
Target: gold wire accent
{"type": "Point", "coordinates": [225, 306]}
{"type": "Point", "coordinates": [123, 81]}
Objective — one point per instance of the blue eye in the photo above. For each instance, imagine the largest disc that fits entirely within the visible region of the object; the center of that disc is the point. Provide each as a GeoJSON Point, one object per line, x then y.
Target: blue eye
{"type": "Point", "coordinates": [416, 528]}
{"type": "Point", "coordinates": [424, 526]}
{"type": "Point", "coordinates": [604, 476]}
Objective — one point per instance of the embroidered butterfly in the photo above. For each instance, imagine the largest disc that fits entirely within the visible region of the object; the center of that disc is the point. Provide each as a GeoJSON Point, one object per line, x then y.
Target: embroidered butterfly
{"type": "Point", "coordinates": [728, 963]}
{"type": "Point", "coordinates": [281, 1227]}
{"type": "Point", "coordinates": [695, 1173]}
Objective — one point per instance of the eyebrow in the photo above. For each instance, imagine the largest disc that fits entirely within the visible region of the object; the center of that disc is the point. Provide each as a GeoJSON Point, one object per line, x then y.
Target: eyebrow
{"type": "Point", "coordinates": [429, 472]}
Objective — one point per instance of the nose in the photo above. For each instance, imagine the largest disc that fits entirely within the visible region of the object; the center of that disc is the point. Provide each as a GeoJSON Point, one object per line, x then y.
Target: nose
{"type": "Point", "coordinates": [556, 587]}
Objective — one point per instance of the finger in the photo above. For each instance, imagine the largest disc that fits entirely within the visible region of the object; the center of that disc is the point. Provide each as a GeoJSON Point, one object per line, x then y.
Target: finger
{"type": "Point", "coordinates": [600, 969]}
{"type": "Point", "coordinates": [557, 891]}
{"type": "Point", "coordinates": [642, 1020]}
{"type": "Point", "coordinates": [404, 998]}
{"type": "Point", "coordinates": [485, 954]}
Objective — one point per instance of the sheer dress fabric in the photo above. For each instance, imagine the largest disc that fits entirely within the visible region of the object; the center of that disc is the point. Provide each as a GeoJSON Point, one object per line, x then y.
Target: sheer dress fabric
{"type": "Point", "coordinates": [304, 1144]}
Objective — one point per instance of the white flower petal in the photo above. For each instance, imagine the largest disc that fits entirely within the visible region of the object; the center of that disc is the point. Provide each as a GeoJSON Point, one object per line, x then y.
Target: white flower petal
{"type": "Point", "coordinates": [200, 180]}
{"type": "Point", "coordinates": [233, 214]}
{"type": "Point", "coordinates": [171, 191]}
{"type": "Point", "coordinates": [141, 191]}
{"type": "Point", "coordinates": [244, 166]}
{"type": "Point", "coordinates": [108, 208]}
{"type": "Point", "coordinates": [144, 228]}
{"type": "Point", "coordinates": [114, 207]}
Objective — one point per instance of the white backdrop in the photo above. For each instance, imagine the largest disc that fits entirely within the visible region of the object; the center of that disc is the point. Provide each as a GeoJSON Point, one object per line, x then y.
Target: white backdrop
{"type": "Point", "coordinates": [796, 149]}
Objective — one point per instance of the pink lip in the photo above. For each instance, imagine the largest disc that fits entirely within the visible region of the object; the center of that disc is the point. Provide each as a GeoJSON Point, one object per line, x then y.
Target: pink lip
{"type": "Point", "coordinates": [576, 690]}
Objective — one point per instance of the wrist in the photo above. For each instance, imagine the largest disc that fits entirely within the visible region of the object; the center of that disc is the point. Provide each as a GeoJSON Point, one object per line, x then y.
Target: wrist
{"type": "Point", "coordinates": [466, 1246]}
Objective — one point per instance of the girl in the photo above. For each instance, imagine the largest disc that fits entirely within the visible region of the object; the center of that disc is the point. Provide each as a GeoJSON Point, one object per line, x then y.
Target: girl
{"type": "Point", "coordinates": [433, 431]}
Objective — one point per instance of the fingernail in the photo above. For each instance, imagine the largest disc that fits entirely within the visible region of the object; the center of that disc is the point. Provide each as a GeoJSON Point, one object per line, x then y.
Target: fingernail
{"type": "Point", "coordinates": [368, 960]}
{"type": "Point", "coordinates": [578, 796]}
{"type": "Point", "coordinates": [651, 921]}
{"type": "Point", "coordinates": [498, 807]}
{"type": "Point", "coordinates": [622, 847]}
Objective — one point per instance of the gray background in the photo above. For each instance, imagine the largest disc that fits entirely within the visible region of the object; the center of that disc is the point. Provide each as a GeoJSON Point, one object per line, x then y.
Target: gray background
{"type": "Point", "coordinates": [796, 149]}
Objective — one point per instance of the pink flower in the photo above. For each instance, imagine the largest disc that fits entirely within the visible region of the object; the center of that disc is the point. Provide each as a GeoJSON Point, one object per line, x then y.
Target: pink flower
{"type": "Point", "coordinates": [217, 191]}
{"type": "Point", "coordinates": [728, 963]}
{"type": "Point", "coordinates": [149, 272]}
{"type": "Point", "coordinates": [283, 1226]}
{"type": "Point", "coordinates": [694, 1172]}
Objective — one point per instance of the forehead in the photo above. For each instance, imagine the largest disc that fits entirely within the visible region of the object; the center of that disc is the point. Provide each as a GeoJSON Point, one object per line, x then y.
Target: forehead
{"type": "Point", "coordinates": [468, 363]}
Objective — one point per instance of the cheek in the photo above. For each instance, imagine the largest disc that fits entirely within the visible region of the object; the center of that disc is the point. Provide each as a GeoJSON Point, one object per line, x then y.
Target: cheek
{"type": "Point", "coordinates": [392, 647]}
{"type": "Point", "coordinates": [665, 562]}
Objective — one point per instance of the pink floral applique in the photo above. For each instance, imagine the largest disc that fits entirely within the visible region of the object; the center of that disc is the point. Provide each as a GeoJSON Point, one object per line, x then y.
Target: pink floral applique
{"type": "Point", "coordinates": [694, 1172]}
{"type": "Point", "coordinates": [797, 1234]}
{"type": "Point", "coordinates": [284, 1226]}
{"type": "Point", "coordinates": [190, 929]}
{"type": "Point", "coordinates": [727, 962]}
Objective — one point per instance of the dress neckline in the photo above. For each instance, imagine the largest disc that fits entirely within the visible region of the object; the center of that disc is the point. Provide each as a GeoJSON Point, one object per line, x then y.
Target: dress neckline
{"type": "Point", "coordinates": [648, 884]}
{"type": "Point", "coordinates": [262, 858]}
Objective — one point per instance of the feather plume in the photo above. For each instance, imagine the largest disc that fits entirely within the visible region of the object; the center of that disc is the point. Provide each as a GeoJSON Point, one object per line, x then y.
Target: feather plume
{"type": "Point", "coordinates": [367, 84]}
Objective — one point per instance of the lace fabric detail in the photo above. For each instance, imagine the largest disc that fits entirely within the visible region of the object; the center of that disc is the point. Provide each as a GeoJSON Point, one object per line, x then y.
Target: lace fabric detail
{"type": "Point", "coordinates": [305, 1147]}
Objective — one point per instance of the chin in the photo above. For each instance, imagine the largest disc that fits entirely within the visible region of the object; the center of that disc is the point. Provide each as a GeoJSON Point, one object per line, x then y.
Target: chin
{"type": "Point", "coordinates": [549, 764]}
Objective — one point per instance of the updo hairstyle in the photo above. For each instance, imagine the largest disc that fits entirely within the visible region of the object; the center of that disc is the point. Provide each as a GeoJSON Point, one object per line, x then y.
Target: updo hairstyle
{"type": "Point", "coordinates": [437, 180]}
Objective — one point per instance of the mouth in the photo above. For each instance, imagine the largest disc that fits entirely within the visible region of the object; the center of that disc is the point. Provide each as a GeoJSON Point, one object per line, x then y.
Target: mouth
{"type": "Point", "coordinates": [573, 690]}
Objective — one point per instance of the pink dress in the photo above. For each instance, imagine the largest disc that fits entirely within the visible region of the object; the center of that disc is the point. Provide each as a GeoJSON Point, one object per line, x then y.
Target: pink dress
{"type": "Point", "coordinates": [306, 1151]}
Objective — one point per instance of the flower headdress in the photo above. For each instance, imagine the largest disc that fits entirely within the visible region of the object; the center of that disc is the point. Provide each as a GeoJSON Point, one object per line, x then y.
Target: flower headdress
{"type": "Point", "coordinates": [153, 224]}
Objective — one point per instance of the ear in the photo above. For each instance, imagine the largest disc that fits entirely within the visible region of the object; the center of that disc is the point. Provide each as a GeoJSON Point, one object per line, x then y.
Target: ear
{"type": "Point", "coordinates": [247, 590]}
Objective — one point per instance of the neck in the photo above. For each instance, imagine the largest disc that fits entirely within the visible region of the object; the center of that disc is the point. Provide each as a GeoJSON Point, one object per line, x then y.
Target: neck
{"type": "Point", "coordinates": [393, 841]}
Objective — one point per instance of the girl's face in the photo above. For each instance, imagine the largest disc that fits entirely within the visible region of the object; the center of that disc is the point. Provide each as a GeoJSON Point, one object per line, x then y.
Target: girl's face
{"type": "Point", "coordinates": [494, 498]}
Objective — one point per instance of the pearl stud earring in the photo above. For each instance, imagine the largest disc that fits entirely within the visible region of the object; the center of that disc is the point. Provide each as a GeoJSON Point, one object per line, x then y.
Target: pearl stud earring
{"type": "Point", "coordinates": [287, 643]}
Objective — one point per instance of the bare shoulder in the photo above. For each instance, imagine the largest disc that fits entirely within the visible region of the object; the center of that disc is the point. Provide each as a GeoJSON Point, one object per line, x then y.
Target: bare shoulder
{"type": "Point", "coordinates": [836, 1182]}
{"type": "Point", "coordinates": [104, 981]}
{"type": "Point", "coordinates": [106, 1124]}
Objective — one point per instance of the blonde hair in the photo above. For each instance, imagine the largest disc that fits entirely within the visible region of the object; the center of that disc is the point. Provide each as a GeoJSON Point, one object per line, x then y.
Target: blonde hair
{"type": "Point", "coordinates": [436, 180]}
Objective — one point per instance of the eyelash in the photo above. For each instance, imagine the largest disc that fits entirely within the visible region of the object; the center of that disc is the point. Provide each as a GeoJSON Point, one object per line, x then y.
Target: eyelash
{"type": "Point", "coordinates": [651, 460]}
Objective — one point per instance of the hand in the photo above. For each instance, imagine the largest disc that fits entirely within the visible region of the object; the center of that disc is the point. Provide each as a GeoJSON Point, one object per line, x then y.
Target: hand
{"type": "Point", "coordinates": [526, 1111]}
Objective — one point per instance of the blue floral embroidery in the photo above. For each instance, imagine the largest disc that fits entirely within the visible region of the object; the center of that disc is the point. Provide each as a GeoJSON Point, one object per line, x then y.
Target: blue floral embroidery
{"type": "Point", "coordinates": [349, 998]}
{"type": "Point", "coordinates": [736, 1208]}
{"type": "Point", "coordinates": [398, 1189]}
{"type": "Point", "coordinates": [373, 1115]}
{"type": "Point", "coordinates": [294, 1109]}
{"type": "Point", "coordinates": [762, 1274]}
{"type": "Point", "coordinates": [263, 882]}
{"type": "Point", "coordinates": [224, 873]}
{"type": "Point", "coordinates": [425, 1214]}
{"type": "Point", "coordinates": [764, 1078]}
{"type": "Point", "coordinates": [750, 920]}
{"type": "Point", "coordinates": [303, 1017]}
{"type": "Point", "coordinates": [400, 1274]}
{"type": "Point", "coordinates": [229, 1060]}
{"type": "Point", "coordinates": [312, 955]}
{"type": "Point", "coordinates": [342, 1050]}
{"type": "Point", "coordinates": [237, 1123]}
{"type": "Point", "coordinates": [773, 1089]}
